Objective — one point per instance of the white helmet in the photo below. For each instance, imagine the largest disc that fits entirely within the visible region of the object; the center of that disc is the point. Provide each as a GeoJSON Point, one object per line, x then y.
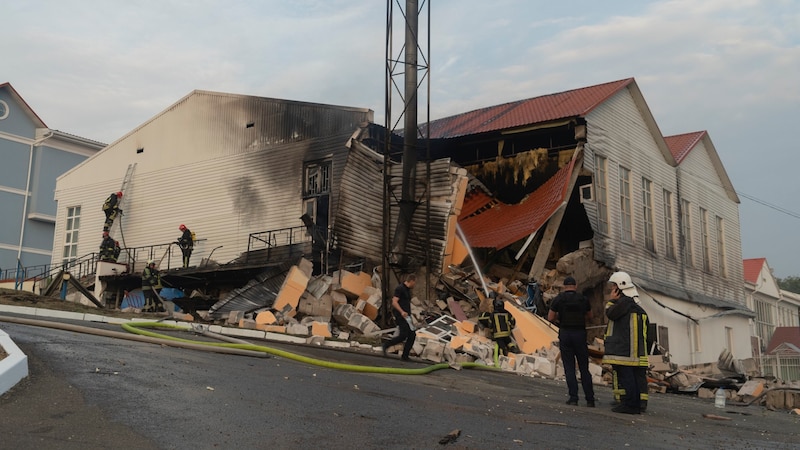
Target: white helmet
{"type": "Point", "coordinates": [624, 283]}
{"type": "Point", "coordinates": [150, 261]}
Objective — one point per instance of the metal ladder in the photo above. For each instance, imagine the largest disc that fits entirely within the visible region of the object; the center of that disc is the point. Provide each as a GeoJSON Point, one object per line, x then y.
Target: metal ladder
{"type": "Point", "coordinates": [125, 182]}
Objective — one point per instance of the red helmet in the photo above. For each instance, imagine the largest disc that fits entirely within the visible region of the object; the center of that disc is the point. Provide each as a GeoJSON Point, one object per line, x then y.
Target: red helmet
{"type": "Point", "coordinates": [119, 194]}
{"type": "Point", "coordinates": [182, 227]}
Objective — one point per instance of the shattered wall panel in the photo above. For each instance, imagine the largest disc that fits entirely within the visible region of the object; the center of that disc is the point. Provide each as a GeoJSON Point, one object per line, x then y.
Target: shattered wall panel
{"type": "Point", "coordinates": [259, 292]}
{"type": "Point", "coordinates": [359, 220]}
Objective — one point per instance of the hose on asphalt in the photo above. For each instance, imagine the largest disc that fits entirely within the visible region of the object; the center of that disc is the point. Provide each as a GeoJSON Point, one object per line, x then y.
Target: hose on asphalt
{"type": "Point", "coordinates": [137, 328]}
{"type": "Point", "coordinates": [135, 332]}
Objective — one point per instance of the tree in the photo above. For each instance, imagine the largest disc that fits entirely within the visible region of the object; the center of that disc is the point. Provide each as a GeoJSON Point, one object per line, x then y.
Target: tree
{"type": "Point", "coordinates": [791, 284]}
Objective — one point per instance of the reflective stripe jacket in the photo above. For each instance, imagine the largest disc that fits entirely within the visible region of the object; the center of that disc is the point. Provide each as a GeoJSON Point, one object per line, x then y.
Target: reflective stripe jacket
{"type": "Point", "coordinates": [500, 323]}
{"type": "Point", "coordinates": [626, 335]}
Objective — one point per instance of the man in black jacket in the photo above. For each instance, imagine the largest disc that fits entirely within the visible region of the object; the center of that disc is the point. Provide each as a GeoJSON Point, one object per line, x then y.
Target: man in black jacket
{"type": "Point", "coordinates": [401, 309]}
{"type": "Point", "coordinates": [570, 310]}
{"type": "Point", "coordinates": [111, 209]}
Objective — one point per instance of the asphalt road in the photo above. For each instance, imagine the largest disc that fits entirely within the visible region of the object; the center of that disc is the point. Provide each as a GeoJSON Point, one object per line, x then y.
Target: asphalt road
{"type": "Point", "coordinates": [92, 392]}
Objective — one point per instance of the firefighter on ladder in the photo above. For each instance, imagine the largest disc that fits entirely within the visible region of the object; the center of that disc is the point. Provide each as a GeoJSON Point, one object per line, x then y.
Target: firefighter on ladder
{"type": "Point", "coordinates": [111, 209]}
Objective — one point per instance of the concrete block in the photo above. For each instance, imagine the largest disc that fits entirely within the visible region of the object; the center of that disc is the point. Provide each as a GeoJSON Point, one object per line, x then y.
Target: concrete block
{"type": "Point", "coordinates": [285, 338]}
{"type": "Point", "coordinates": [544, 367]}
{"type": "Point", "coordinates": [434, 351]}
{"type": "Point", "coordinates": [310, 306]}
{"type": "Point", "coordinates": [243, 332]}
{"type": "Point", "coordinates": [247, 323]}
{"type": "Point", "coordinates": [343, 312]}
{"type": "Point", "coordinates": [271, 328]}
{"type": "Point", "coordinates": [370, 311]}
{"type": "Point", "coordinates": [234, 317]}
{"type": "Point", "coordinates": [338, 298]}
{"type": "Point", "coordinates": [595, 369]}
{"type": "Point", "coordinates": [337, 344]}
{"type": "Point", "coordinates": [706, 393]}
{"type": "Point", "coordinates": [352, 284]}
{"type": "Point", "coordinates": [293, 287]}
{"type": "Point", "coordinates": [343, 335]}
{"type": "Point", "coordinates": [457, 342]}
{"type": "Point", "coordinates": [322, 329]}
{"type": "Point", "coordinates": [297, 329]}
{"type": "Point", "coordinates": [266, 318]}
{"type": "Point", "coordinates": [56, 314]}
{"type": "Point", "coordinates": [752, 388]}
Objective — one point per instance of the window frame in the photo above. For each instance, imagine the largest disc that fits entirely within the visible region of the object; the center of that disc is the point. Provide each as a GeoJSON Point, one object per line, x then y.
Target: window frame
{"type": "Point", "coordinates": [648, 216]}
{"type": "Point", "coordinates": [625, 205]}
{"type": "Point", "coordinates": [72, 225]}
{"type": "Point", "coordinates": [669, 225]}
{"type": "Point", "coordinates": [601, 184]}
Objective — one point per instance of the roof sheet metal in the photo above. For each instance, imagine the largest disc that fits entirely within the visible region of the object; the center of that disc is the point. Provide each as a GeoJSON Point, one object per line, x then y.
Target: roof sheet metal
{"type": "Point", "coordinates": [752, 269]}
{"type": "Point", "coordinates": [502, 224]}
{"type": "Point", "coordinates": [259, 292]}
{"type": "Point", "coordinates": [681, 144]}
{"type": "Point", "coordinates": [573, 103]}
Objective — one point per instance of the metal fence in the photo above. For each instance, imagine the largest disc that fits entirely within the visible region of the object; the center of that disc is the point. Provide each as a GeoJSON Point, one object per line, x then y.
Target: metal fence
{"type": "Point", "coordinates": [784, 367]}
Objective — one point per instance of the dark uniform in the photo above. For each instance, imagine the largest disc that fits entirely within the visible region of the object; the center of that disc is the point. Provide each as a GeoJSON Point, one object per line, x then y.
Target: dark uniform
{"type": "Point", "coordinates": [150, 282]}
{"type": "Point", "coordinates": [107, 249]}
{"type": "Point", "coordinates": [571, 308]}
{"type": "Point", "coordinates": [111, 209]}
{"type": "Point", "coordinates": [500, 322]}
{"type": "Point", "coordinates": [402, 299]}
{"type": "Point", "coordinates": [626, 349]}
{"type": "Point", "coordinates": [186, 243]}
{"type": "Point", "coordinates": [117, 251]}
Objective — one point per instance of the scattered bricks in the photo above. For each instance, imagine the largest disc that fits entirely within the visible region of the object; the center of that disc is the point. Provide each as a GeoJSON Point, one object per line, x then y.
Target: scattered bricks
{"type": "Point", "coordinates": [434, 351]}
{"type": "Point", "coordinates": [297, 329]}
{"type": "Point", "coordinates": [338, 298]}
{"type": "Point", "coordinates": [271, 328]}
{"type": "Point", "coordinates": [464, 358]}
{"type": "Point", "coordinates": [247, 323]}
{"type": "Point", "coordinates": [234, 317]}
{"type": "Point", "coordinates": [449, 355]}
{"type": "Point", "coordinates": [266, 318]}
{"type": "Point", "coordinates": [796, 411]}
{"type": "Point", "coordinates": [370, 311]}
{"type": "Point", "coordinates": [318, 307]}
{"type": "Point", "coordinates": [706, 393]}
{"type": "Point", "coordinates": [441, 304]}
{"type": "Point", "coordinates": [751, 389]}
{"type": "Point", "coordinates": [544, 367]}
{"type": "Point", "coordinates": [293, 287]}
{"type": "Point", "coordinates": [351, 284]}
{"type": "Point", "coordinates": [457, 342]}
{"type": "Point", "coordinates": [525, 364]}
{"type": "Point", "coordinates": [359, 304]}
{"type": "Point", "coordinates": [776, 399]}
{"type": "Point", "coordinates": [657, 363]}
{"type": "Point", "coordinates": [318, 286]}
{"type": "Point", "coordinates": [322, 329]}
{"type": "Point", "coordinates": [343, 312]}
{"type": "Point", "coordinates": [343, 335]}
{"type": "Point", "coordinates": [595, 369]}
{"type": "Point", "coordinates": [419, 345]}
{"type": "Point", "coordinates": [506, 364]}
{"type": "Point", "coordinates": [464, 327]}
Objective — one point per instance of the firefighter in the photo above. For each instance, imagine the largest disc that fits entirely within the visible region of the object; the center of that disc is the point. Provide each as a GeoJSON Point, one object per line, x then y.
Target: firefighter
{"type": "Point", "coordinates": [500, 322]}
{"type": "Point", "coordinates": [626, 342]}
{"type": "Point", "coordinates": [107, 248]}
{"type": "Point", "coordinates": [151, 280]}
{"type": "Point", "coordinates": [186, 243]}
{"type": "Point", "coordinates": [111, 209]}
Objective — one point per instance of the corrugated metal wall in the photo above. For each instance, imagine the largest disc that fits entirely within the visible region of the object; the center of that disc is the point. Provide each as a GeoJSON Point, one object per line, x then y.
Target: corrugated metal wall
{"type": "Point", "coordinates": [198, 163]}
{"type": "Point", "coordinates": [359, 223]}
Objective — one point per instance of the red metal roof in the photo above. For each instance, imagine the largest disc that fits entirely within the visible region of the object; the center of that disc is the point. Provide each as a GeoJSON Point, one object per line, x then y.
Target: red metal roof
{"type": "Point", "coordinates": [789, 335]}
{"type": "Point", "coordinates": [501, 225]}
{"type": "Point", "coordinates": [574, 103]}
{"type": "Point", "coordinates": [752, 269]}
{"type": "Point", "coordinates": [681, 144]}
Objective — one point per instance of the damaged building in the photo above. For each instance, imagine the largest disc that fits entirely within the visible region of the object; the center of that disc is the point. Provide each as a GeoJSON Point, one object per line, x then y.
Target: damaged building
{"type": "Point", "coordinates": [577, 183]}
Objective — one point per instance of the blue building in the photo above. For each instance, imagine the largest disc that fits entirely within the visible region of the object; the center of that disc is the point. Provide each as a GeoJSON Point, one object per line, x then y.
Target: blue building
{"type": "Point", "coordinates": [32, 156]}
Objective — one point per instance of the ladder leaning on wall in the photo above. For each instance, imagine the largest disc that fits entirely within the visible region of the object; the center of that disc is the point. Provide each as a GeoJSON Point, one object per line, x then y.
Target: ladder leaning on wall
{"type": "Point", "coordinates": [125, 183]}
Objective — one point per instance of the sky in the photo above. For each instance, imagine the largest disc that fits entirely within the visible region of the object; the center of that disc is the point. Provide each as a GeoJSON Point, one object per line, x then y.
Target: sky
{"type": "Point", "coordinates": [100, 68]}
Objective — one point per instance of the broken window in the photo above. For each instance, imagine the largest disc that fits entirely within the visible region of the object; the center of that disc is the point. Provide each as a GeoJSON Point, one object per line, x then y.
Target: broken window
{"type": "Point", "coordinates": [704, 241]}
{"type": "Point", "coordinates": [625, 212]}
{"type": "Point", "coordinates": [73, 224]}
{"type": "Point", "coordinates": [669, 225]}
{"type": "Point", "coordinates": [647, 211]}
{"type": "Point", "coordinates": [723, 268]}
{"type": "Point", "coordinates": [601, 181]}
{"type": "Point", "coordinates": [317, 178]}
{"type": "Point", "coordinates": [686, 233]}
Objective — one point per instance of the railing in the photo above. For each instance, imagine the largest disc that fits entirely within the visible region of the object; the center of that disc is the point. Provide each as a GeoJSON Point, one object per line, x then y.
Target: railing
{"type": "Point", "coordinates": [784, 367]}
{"type": "Point", "coordinates": [272, 239]}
